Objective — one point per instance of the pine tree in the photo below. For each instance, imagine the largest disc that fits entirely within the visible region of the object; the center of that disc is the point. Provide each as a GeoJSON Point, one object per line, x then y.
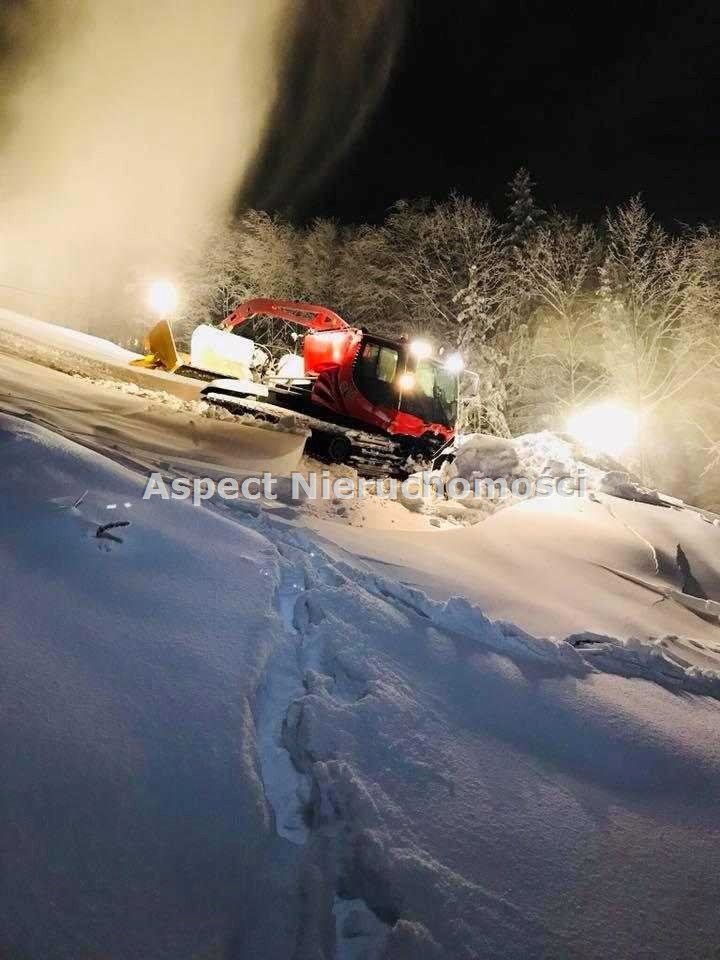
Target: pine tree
{"type": "Point", "coordinates": [524, 214]}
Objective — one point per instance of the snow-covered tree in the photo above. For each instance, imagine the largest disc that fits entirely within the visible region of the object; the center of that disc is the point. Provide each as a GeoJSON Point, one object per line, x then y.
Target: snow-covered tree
{"type": "Point", "coordinates": [318, 263]}
{"type": "Point", "coordinates": [256, 256]}
{"type": "Point", "coordinates": [557, 274]}
{"type": "Point", "coordinates": [656, 292]}
{"type": "Point", "coordinates": [483, 304]}
{"type": "Point", "coordinates": [269, 255]}
{"type": "Point", "coordinates": [658, 309]}
{"type": "Point", "coordinates": [213, 283]}
{"type": "Point", "coordinates": [363, 292]}
{"type": "Point", "coordinates": [448, 269]}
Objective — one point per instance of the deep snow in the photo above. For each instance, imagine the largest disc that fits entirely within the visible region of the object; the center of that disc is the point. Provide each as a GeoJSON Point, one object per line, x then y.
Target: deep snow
{"type": "Point", "coordinates": [293, 732]}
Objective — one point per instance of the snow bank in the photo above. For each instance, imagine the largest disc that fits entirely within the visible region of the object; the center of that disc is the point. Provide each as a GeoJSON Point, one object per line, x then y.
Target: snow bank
{"type": "Point", "coordinates": [49, 336]}
{"type": "Point", "coordinates": [147, 428]}
{"type": "Point", "coordinates": [79, 354]}
{"type": "Point", "coordinates": [531, 455]}
{"type": "Point", "coordinates": [481, 455]}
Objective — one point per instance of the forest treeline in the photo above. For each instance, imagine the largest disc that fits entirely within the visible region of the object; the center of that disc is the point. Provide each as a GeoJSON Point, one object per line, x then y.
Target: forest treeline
{"type": "Point", "coordinates": [553, 313]}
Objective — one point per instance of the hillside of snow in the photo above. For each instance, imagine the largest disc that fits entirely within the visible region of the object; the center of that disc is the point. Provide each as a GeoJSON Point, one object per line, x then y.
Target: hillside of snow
{"type": "Point", "coordinates": [314, 730]}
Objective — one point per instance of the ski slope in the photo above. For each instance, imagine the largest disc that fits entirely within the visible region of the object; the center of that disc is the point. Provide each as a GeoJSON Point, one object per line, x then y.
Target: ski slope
{"type": "Point", "coordinates": [308, 730]}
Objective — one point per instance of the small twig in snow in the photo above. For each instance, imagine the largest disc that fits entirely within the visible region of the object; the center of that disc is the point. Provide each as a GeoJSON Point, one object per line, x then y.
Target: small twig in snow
{"type": "Point", "coordinates": [103, 529]}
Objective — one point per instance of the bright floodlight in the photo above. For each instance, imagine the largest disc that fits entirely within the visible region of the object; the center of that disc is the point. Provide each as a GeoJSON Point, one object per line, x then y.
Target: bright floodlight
{"type": "Point", "coordinates": [162, 298]}
{"type": "Point", "coordinates": [406, 381]}
{"type": "Point", "coordinates": [421, 349]}
{"type": "Point", "coordinates": [454, 363]}
{"type": "Point", "coordinates": [609, 427]}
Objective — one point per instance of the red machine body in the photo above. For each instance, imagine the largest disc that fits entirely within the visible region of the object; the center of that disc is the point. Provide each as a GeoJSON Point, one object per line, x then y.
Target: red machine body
{"type": "Point", "coordinates": [358, 376]}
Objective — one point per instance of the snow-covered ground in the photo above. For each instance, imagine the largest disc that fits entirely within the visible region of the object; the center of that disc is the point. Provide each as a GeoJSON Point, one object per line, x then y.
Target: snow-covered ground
{"type": "Point", "coordinates": [293, 730]}
{"type": "Point", "coordinates": [140, 424]}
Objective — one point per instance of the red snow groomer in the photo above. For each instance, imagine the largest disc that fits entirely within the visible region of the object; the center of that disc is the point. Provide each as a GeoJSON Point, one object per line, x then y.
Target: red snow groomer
{"type": "Point", "coordinates": [383, 406]}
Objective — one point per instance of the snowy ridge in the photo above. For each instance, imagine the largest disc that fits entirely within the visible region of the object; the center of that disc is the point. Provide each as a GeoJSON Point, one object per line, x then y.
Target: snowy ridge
{"type": "Point", "coordinates": [578, 653]}
{"type": "Point", "coordinates": [650, 659]}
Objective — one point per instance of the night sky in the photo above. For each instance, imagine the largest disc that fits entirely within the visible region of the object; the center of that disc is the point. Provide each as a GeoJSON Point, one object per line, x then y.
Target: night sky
{"type": "Point", "coordinates": [599, 102]}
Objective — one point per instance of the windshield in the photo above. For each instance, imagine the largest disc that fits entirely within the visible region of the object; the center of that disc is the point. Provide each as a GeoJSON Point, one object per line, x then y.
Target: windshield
{"type": "Point", "coordinates": [433, 398]}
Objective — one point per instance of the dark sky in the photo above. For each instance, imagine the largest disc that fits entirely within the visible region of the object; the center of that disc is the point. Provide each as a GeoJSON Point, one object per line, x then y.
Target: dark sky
{"type": "Point", "coordinates": [599, 101]}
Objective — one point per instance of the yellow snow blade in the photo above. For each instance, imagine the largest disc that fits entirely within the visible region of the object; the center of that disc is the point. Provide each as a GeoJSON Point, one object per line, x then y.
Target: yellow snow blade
{"type": "Point", "coordinates": [162, 352]}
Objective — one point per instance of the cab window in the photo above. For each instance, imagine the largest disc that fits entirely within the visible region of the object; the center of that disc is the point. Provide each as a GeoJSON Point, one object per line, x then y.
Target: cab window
{"type": "Point", "coordinates": [387, 363]}
{"type": "Point", "coordinates": [376, 372]}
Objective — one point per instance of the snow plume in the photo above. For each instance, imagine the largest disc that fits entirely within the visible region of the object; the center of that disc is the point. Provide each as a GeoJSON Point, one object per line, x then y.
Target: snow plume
{"type": "Point", "coordinates": [338, 60]}
{"type": "Point", "coordinates": [129, 128]}
{"type": "Point", "coordinates": [126, 128]}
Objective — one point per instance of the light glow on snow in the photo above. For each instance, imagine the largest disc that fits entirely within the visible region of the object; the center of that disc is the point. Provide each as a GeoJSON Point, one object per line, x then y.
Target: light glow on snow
{"type": "Point", "coordinates": [610, 427]}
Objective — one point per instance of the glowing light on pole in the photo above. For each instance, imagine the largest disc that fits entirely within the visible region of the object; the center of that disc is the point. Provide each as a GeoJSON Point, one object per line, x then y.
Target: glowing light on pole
{"type": "Point", "coordinates": [406, 381]}
{"type": "Point", "coordinates": [609, 427]}
{"type": "Point", "coordinates": [162, 298]}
